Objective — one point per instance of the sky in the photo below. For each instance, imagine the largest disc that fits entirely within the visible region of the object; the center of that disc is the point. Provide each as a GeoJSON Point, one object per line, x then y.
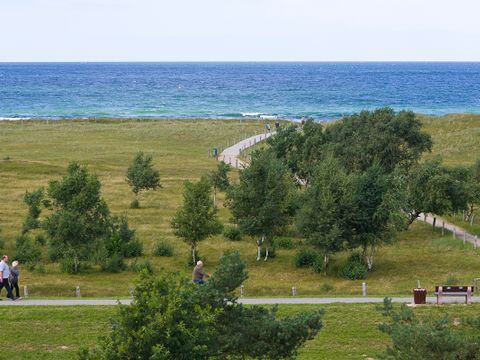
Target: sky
{"type": "Point", "coordinates": [239, 30]}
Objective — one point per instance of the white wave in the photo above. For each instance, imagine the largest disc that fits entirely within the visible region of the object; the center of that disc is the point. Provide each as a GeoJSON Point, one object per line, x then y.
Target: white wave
{"type": "Point", "coordinates": [13, 118]}
{"type": "Point", "coordinates": [268, 117]}
{"type": "Point", "coordinates": [251, 114]}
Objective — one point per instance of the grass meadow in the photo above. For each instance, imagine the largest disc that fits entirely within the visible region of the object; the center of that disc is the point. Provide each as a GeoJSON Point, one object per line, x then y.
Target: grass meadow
{"type": "Point", "coordinates": [34, 152]}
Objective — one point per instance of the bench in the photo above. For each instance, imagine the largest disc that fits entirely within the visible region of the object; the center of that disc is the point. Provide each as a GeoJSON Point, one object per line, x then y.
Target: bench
{"type": "Point", "coordinates": [454, 290]}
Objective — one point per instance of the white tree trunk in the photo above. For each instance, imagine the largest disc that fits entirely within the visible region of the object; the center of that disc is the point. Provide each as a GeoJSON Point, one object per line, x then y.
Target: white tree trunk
{"type": "Point", "coordinates": [266, 252]}
{"type": "Point", "coordinates": [259, 248]}
{"type": "Point", "coordinates": [193, 255]}
{"type": "Point", "coordinates": [370, 262]}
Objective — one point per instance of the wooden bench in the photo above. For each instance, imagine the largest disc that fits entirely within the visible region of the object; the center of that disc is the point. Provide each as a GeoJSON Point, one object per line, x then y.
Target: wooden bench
{"type": "Point", "coordinates": [454, 290]}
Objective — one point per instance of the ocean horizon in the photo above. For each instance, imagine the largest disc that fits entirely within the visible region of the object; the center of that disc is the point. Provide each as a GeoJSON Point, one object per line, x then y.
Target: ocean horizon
{"type": "Point", "coordinates": [231, 90]}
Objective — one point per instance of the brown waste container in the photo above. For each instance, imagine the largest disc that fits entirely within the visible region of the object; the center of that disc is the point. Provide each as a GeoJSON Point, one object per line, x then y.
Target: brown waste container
{"type": "Point", "coordinates": [419, 296]}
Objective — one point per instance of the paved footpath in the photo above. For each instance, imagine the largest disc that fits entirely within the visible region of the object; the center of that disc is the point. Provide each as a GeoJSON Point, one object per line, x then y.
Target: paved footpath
{"type": "Point", "coordinates": [230, 155]}
{"type": "Point", "coordinates": [456, 231]}
{"type": "Point", "coordinates": [247, 301]}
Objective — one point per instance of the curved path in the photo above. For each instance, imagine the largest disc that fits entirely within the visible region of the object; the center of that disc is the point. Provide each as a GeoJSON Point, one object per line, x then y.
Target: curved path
{"type": "Point", "coordinates": [456, 231]}
{"type": "Point", "coordinates": [231, 154]}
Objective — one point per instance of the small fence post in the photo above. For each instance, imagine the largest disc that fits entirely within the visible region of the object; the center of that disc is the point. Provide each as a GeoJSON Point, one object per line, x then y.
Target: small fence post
{"type": "Point", "coordinates": [454, 232]}
{"type": "Point", "coordinates": [464, 237]}
{"type": "Point", "coordinates": [364, 289]}
{"type": "Point", "coordinates": [242, 291]}
{"type": "Point", "coordinates": [77, 292]}
{"type": "Point", "coordinates": [294, 291]}
{"type": "Point", "coordinates": [443, 228]}
{"type": "Point", "coordinates": [25, 291]}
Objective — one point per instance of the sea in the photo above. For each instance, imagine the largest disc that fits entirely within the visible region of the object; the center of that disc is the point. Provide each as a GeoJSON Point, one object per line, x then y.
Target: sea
{"type": "Point", "coordinates": [231, 90]}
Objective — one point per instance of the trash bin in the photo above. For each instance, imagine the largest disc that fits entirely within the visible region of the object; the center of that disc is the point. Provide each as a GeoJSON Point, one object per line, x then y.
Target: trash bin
{"type": "Point", "coordinates": [419, 296]}
{"type": "Point", "coordinates": [215, 152]}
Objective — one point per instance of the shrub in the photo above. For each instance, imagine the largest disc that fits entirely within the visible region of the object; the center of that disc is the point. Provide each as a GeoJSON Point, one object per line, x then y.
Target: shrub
{"type": "Point", "coordinates": [355, 268]}
{"type": "Point", "coordinates": [133, 248]}
{"type": "Point", "coordinates": [232, 233]}
{"type": "Point", "coordinates": [67, 265]}
{"type": "Point", "coordinates": [452, 280]}
{"type": "Point", "coordinates": [284, 243]}
{"type": "Point", "coordinates": [135, 204]}
{"type": "Point", "coordinates": [326, 287]}
{"type": "Point", "coordinates": [114, 264]}
{"type": "Point", "coordinates": [163, 248]}
{"type": "Point", "coordinates": [305, 258]}
{"type": "Point", "coordinates": [318, 264]}
{"type": "Point", "coordinates": [141, 266]}
{"type": "Point", "coordinates": [7, 158]}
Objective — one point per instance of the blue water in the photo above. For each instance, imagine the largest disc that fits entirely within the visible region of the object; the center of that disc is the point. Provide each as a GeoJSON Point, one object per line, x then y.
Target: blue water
{"type": "Point", "coordinates": [229, 90]}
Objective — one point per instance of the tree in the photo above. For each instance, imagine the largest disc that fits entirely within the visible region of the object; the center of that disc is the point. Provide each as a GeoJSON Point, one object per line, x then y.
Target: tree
{"type": "Point", "coordinates": [141, 175]}
{"type": "Point", "coordinates": [172, 318]}
{"type": "Point", "coordinates": [415, 338]}
{"type": "Point", "coordinates": [197, 219]}
{"type": "Point", "coordinates": [324, 218]}
{"type": "Point", "coordinates": [260, 203]}
{"type": "Point", "coordinates": [378, 204]}
{"type": "Point", "coordinates": [34, 201]}
{"type": "Point", "coordinates": [219, 179]}
{"type": "Point", "coordinates": [382, 136]}
{"type": "Point", "coordinates": [473, 191]}
{"type": "Point", "coordinates": [80, 215]}
{"type": "Point", "coordinates": [433, 188]}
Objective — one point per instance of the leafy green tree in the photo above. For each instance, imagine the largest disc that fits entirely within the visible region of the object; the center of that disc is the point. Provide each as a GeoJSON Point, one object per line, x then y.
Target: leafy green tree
{"type": "Point", "coordinates": [377, 210]}
{"type": "Point", "coordinates": [260, 203]}
{"type": "Point", "coordinates": [324, 218]}
{"type": "Point", "coordinates": [197, 219]}
{"type": "Point", "coordinates": [141, 175]}
{"type": "Point", "coordinates": [381, 136]}
{"type": "Point", "coordinates": [433, 188]}
{"type": "Point", "coordinates": [430, 339]}
{"type": "Point", "coordinates": [473, 191]}
{"type": "Point", "coordinates": [219, 179]}
{"type": "Point", "coordinates": [34, 201]}
{"type": "Point", "coordinates": [300, 148]}
{"type": "Point", "coordinates": [172, 318]}
{"type": "Point", "coordinates": [80, 215]}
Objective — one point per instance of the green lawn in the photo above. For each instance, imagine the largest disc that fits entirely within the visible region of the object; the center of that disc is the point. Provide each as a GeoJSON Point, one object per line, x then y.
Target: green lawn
{"type": "Point", "coordinates": [32, 153]}
{"type": "Point", "coordinates": [350, 331]}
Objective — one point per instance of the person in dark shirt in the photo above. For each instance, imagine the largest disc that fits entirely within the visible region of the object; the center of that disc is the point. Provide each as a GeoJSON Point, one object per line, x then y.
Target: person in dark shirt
{"type": "Point", "coordinates": [15, 273]}
{"type": "Point", "coordinates": [199, 273]}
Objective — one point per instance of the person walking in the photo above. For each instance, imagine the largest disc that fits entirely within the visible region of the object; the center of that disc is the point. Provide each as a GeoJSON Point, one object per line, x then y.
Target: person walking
{"type": "Point", "coordinates": [199, 273]}
{"type": "Point", "coordinates": [15, 273]}
{"type": "Point", "coordinates": [5, 277]}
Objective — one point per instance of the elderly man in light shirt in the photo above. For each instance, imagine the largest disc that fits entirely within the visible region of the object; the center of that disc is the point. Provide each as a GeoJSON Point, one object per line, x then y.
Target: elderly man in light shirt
{"type": "Point", "coordinates": [4, 276]}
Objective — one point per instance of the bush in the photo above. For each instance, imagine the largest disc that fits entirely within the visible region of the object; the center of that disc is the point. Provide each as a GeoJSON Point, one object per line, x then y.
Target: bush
{"type": "Point", "coordinates": [135, 204]}
{"type": "Point", "coordinates": [27, 251]}
{"type": "Point", "coordinates": [452, 280]}
{"type": "Point", "coordinates": [133, 248]}
{"type": "Point", "coordinates": [305, 258]}
{"type": "Point", "coordinates": [40, 240]}
{"type": "Point", "coordinates": [355, 268]}
{"type": "Point", "coordinates": [114, 264]}
{"type": "Point", "coordinates": [232, 233]}
{"type": "Point", "coordinates": [67, 265]}
{"type": "Point", "coordinates": [327, 287]}
{"type": "Point", "coordinates": [284, 243]}
{"type": "Point", "coordinates": [163, 248]}
{"type": "Point", "coordinates": [141, 266]}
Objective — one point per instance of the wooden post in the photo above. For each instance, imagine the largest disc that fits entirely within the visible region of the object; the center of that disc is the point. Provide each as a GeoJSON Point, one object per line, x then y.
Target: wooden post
{"type": "Point", "coordinates": [242, 291]}
{"type": "Point", "coordinates": [294, 291]}
{"type": "Point", "coordinates": [443, 228]}
{"type": "Point", "coordinates": [468, 300]}
{"type": "Point", "coordinates": [77, 291]}
{"type": "Point", "coordinates": [236, 163]}
{"type": "Point", "coordinates": [439, 296]}
{"type": "Point", "coordinates": [475, 242]}
{"type": "Point", "coordinates": [364, 289]}
{"type": "Point", "coordinates": [425, 217]}
{"type": "Point", "coordinates": [434, 222]}
{"type": "Point", "coordinates": [25, 291]}
{"type": "Point", "coordinates": [454, 232]}
{"type": "Point", "coordinates": [464, 237]}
